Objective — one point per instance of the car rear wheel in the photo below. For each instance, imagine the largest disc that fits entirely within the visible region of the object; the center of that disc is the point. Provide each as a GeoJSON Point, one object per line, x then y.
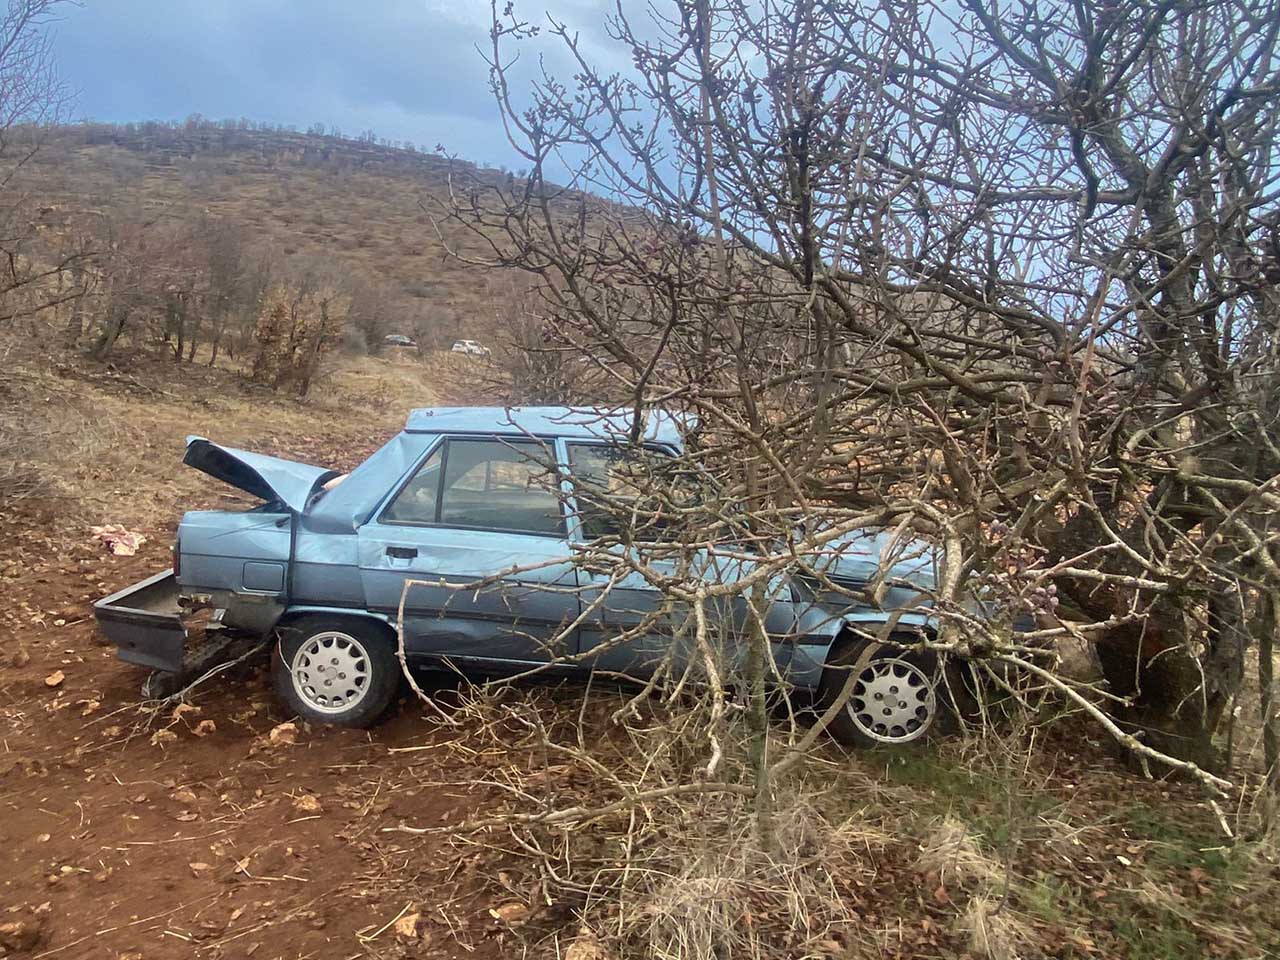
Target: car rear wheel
{"type": "Point", "coordinates": [336, 671]}
{"type": "Point", "coordinates": [897, 695]}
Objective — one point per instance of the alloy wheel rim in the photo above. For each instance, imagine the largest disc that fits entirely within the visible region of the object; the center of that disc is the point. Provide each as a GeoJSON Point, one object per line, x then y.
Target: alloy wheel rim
{"type": "Point", "coordinates": [892, 701]}
{"type": "Point", "coordinates": [331, 672]}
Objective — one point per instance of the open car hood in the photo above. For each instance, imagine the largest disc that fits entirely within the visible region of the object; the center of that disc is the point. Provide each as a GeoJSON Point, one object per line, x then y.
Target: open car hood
{"type": "Point", "coordinates": [267, 478]}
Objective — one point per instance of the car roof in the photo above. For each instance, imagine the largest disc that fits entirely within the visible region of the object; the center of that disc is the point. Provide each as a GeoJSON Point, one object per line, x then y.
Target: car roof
{"type": "Point", "coordinates": [660, 426]}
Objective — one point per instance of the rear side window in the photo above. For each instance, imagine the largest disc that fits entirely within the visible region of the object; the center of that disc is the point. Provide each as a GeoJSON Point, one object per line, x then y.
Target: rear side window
{"type": "Point", "coordinates": [619, 488]}
{"type": "Point", "coordinates": [484, 484]}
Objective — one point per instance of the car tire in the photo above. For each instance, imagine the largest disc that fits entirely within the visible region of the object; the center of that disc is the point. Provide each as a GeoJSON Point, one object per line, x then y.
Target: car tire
{"type": "Point", "coordinates": [900, 695]}
{"type": "Point", "coordinates": [336, 671]}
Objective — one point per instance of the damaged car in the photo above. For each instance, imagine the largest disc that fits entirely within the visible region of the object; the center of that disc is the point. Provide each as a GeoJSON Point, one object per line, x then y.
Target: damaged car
{"type": "Point", "coordinates": [482, 512]}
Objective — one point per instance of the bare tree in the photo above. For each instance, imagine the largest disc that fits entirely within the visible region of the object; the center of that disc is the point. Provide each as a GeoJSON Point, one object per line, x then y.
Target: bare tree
{"type": "Point", "coordinates": [1003, 275]}
{"type": "Point", "coordinates": [32, 96]}
{"type": "Point", "coordinates": [299, 322]}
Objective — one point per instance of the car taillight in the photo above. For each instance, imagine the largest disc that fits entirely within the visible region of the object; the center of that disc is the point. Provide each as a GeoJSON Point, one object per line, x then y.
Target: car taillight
{"type": "Point", "coordinates": [176, 549]}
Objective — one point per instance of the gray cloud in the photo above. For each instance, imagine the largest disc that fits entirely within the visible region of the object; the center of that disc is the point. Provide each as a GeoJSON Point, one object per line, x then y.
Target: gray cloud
{"type": "Point", "coordinates": [408, 69]}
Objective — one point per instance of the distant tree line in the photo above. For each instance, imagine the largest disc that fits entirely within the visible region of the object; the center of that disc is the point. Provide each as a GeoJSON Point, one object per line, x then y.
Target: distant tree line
{"type": "Point", "coordinates": [203, 289]}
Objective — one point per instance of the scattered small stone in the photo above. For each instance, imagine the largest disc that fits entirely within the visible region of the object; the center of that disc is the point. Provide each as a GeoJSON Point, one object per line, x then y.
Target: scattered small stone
{"type": "Point", "coordinates": [407, 926]}
{"type": "Point", "coordinates": [161, 737]}
{"type": "Point", "coordinates": [184, 795]}
{"type": "Point", "coordinates": [204, 728]}
{"type": "Point", "coordinates": [199, 869]}
{"type": "Point", "coordinates": [307, 804]}
{"type": "Point", "coordinates": [55, 679]}
{"type": "Point", "coordinates": [284, 733]}
{"type": "Point", "coordinates": [20, 936]}
{"type": "Point", "coordinates": [586, 947]}
{"type": "Point", "coordinates": [512, 914]}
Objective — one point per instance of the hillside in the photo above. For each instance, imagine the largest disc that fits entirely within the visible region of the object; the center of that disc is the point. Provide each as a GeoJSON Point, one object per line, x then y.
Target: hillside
{"type": "Point", "coordinates": [357, 210]}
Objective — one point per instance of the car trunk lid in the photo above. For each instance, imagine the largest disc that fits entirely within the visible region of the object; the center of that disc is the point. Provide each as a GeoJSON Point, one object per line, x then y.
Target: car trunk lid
{"type": "Point", "coordinates": [267, 478]}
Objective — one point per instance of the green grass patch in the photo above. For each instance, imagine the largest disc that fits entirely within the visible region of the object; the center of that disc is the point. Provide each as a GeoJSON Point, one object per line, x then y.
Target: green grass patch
{"type": "Point", "coordinates": [1052, 899]}
{"type": "Point", "coordinates": [1180, 845]}
{"type": "Point", "coordinates": [1158, 936]}
{"type": "Point", "coordinates": [979, 798]}
{"type": "Point", "coordinates": [924, 768]}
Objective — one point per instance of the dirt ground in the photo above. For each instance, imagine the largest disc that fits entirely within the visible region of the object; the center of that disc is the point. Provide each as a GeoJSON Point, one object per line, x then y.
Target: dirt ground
{"type": "Point", "coordinates": [195, 831]}
{"type": "Point", "coordinates": [219, 829]}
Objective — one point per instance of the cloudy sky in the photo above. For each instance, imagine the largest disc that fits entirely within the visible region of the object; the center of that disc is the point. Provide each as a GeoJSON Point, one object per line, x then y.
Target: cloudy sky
{"type": "Point", "coordinates": [407, 69]}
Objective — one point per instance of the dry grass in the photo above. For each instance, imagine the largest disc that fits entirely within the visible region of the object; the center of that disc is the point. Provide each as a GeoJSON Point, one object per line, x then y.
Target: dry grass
{"type": "Point", "coordinates": [104, 444]}
{"type": "Point", "coordinates": [994, 931]}
{"type": "Point", "coordinates": [48, 436]}
{"type": "Point", "coordinates": [681, 875]}
{"type": "Point", "coordinates": [704, 886]}
{"type": "Point", "coordinates": [951, 853]}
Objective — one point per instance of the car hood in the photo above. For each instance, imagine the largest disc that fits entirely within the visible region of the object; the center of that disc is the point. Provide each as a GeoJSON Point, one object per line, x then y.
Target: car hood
{"type": "Point", "coordinates": [267, 478]}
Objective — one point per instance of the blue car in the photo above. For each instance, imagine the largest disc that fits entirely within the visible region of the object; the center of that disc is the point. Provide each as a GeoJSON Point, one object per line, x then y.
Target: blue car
{"type": "Point", "coordinates": [481, 511]}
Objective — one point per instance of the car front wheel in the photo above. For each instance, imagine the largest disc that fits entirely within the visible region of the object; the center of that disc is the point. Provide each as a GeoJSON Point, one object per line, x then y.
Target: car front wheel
{"type": "Point", "coordinates": [336, 671]}
{"type": "Point", "coordinates": [897, 694]}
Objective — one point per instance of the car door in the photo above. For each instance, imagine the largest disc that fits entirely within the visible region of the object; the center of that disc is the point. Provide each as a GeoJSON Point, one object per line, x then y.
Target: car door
{"type": "Point", "coordinates": [480, 523]}
{"type": "Point", "coordinates": [628, 626]}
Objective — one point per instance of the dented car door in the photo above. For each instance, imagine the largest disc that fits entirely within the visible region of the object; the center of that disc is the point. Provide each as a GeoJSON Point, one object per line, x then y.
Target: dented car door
{"type": "Point", "coordinates": [474, 540]}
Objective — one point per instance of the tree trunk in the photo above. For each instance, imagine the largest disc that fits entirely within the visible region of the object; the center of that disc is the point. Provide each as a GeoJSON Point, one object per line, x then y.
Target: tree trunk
{"type": "Point", "coordinates": [758, 718]}
{"type": "Point", "coordinates": [216, 341]}
{"type": "Point", "coordinates": [180, 318]}
{"type": "Point", "coordinates": [1268, 622]}
{"type": "Point", "coordinates": [112, 327]}
{"type": "Point", "coordinates": [1152, 664]}
{"type": "Point", "coordinates": [75, 323]}
{"type": "Point", "coordinates": [195, 340]}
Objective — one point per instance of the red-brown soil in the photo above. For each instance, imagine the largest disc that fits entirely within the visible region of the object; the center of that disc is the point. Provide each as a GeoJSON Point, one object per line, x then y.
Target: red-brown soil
{"type": "Point", "coordinates": [190, 832]}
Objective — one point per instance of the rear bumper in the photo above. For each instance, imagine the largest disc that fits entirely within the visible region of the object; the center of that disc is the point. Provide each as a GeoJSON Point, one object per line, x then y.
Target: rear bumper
{"type": "Point", "coordinates": [144, 622]}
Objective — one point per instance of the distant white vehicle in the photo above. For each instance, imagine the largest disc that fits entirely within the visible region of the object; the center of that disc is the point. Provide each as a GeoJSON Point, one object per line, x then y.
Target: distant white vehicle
{"type": "Point", "coordinates": [469, 347]}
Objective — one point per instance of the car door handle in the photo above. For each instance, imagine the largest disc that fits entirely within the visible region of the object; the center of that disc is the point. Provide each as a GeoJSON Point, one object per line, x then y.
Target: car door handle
{"type": "Point", "coordinates": [402, 553]}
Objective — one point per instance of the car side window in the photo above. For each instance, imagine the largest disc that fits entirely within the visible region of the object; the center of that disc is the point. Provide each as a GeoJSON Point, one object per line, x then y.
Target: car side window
{"type": "Point", "coordinates": [483, 484]}
{"type": "Point", "coordinates": [417, 502]}
{"type": "Point", "coordinates": [617, 486]}
{"type": "Point", "coordinates": [501, 485]}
